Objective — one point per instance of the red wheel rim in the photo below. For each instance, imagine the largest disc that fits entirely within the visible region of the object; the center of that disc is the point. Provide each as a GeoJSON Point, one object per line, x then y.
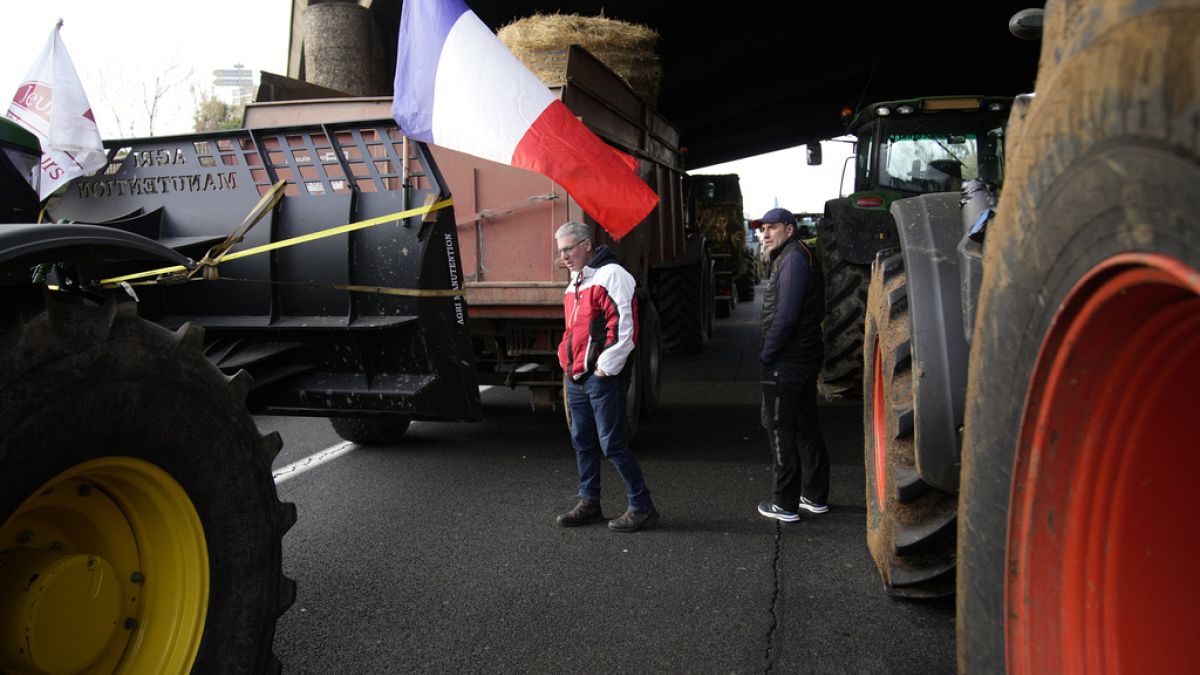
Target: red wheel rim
{"type": "Point", "coordinates": [878, 428]}
{"type": "Point", "coordinates": [1102, 526]}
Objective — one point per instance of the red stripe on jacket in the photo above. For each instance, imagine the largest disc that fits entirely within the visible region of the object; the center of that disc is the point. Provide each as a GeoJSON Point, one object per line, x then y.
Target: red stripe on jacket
{"type": "Point", "coordinates": [600, 309]}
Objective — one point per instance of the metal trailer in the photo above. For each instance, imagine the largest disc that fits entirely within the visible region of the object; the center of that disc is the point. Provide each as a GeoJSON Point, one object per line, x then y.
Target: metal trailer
{"type": "Point", "coordinates": [507, 218]}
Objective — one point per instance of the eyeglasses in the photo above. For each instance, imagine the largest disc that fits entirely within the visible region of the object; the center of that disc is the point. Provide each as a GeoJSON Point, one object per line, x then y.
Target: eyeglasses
{"type": "Point", "coordinates": [567, 249]}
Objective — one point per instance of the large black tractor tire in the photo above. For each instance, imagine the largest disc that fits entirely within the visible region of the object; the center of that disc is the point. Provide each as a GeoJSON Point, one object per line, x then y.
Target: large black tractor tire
{"type": "Point", "coordinates": [845, 310]}
{"type": "Point", "coordinates": [684, 307]}
{"type": "Point", "coordinates": [1077, 542]}
{"type": "Point", "coordinates": [371, 430]}
{"type": "Point", "coordinates": [129, 464]}
{"type": "Point", "coordinates": [910, 526]}
{"type": "Point", "coordinates": [650, 349]}
{"type": "Point", "coordinates": [710, 298]}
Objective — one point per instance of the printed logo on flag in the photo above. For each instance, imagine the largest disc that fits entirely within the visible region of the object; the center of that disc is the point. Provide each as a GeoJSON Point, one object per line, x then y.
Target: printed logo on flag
{"type": "Point", "coordinates": [35, 98]}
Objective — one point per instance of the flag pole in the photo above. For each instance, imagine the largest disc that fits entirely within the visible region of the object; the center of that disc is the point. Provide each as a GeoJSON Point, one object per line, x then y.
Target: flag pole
{"type": "Point", "coordinates": [404, 161]}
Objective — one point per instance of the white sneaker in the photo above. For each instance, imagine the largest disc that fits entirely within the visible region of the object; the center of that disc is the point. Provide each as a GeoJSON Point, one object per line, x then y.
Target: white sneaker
{"type": "Point", "coordinates": [811, 506]}
{"type": "Point", "coordinates": [770, 510]}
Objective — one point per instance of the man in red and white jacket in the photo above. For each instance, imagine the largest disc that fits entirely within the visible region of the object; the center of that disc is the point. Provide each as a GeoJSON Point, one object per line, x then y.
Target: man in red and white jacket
{"type": "Point", "coordinates": [600, 309]}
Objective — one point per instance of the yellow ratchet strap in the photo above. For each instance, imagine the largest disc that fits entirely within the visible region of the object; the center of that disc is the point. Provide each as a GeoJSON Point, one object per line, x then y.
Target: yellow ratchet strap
{"type": "Point", "coordinates": [355, 288]}
{"type": "Point", "coordinates": [284, 243]}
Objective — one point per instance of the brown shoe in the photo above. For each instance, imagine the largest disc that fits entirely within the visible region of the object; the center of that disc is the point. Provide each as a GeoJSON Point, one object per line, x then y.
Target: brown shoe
{"type": "Point", "coordinates": [584, 513]}
{"type": "Point", "coordinates": [632, 521]}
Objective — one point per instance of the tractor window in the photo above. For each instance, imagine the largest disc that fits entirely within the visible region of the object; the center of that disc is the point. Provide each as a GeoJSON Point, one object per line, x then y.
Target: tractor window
{"type": "Point", "coordinates": [865, 158]}
{"type": "Point", "coordinates": [928, 162]}
{"type": "Point", "coordinates": [928, 153]}
{"type": "Point", "coordinates": [991, 158]}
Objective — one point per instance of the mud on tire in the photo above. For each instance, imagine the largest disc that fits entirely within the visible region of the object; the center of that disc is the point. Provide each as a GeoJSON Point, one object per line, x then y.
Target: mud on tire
{"type": "Point", "coordinates": [1095, 253]}
{"type": "Point", "coordinates": [910, 525]}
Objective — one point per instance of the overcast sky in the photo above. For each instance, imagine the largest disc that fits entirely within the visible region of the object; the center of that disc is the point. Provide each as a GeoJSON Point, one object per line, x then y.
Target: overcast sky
{"type": "Point", "coordinates": [120, 48]}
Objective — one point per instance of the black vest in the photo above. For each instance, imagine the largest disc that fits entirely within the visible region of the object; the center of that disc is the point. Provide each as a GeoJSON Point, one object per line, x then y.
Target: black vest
{"type": "Point", "coordinates": [803, 347]}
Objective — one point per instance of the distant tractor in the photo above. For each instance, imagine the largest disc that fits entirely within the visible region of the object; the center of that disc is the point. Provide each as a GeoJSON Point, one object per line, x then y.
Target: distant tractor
{"type": "Point", "coordinates": [903, 149]}
{"type": "Point", "coordinates": [716, 204]}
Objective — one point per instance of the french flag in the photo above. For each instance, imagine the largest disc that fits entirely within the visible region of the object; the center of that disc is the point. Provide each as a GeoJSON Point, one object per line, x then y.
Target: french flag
{"type": "Point", "coordinates": [459, 87]}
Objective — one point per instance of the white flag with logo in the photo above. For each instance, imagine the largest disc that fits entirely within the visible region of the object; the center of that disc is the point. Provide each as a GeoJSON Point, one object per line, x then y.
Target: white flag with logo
{"type": "Point", "coordinates": [52, 104]}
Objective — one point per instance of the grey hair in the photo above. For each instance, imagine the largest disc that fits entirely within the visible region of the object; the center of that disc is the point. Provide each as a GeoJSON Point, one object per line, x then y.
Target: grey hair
{"type": "Point", "coordinates": [574, 228]}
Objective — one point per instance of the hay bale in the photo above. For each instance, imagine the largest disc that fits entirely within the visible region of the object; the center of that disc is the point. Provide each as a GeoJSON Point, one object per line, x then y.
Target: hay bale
{"type": "Point", "coordinates": [541, 42]}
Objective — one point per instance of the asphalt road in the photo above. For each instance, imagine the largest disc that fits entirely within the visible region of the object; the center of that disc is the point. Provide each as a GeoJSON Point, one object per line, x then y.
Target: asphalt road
{"type": "Point", "coordinates": [441, 554]}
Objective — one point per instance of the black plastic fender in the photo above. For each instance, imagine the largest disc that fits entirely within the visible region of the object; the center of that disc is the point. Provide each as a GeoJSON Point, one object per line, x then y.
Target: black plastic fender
{"type": "Point", "coordinates": [930, 227]}
{"type": "Point", "coordinates": [26, 245]}
{"type": "Point", "coordinates": [860, 233]}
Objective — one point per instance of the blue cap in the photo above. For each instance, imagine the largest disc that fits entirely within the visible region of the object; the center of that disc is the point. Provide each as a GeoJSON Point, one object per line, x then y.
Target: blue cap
{"type": "Point", "coordinates": [776, 216]}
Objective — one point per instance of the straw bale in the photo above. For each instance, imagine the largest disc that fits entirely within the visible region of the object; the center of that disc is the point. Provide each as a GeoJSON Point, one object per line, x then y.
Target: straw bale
{"type": "Point", "coordinates": [541, 42]}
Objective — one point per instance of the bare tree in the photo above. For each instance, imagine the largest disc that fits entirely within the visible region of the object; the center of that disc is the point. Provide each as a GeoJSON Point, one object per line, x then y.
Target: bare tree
{"type": "Point", "coordinates": [154, 91]}
{"type": "Point", "coordinates": [134, 114]}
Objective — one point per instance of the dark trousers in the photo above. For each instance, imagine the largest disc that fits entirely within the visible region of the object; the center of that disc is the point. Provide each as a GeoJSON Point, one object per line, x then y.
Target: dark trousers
{"type": "Point", "coordinates": [597, 432]}
{"type": "Point", "coordinates": [789, 415]}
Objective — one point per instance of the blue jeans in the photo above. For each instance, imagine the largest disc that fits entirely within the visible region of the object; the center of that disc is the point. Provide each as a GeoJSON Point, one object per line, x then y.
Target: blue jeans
{"type": "Point", "coordinates": [598, 430]}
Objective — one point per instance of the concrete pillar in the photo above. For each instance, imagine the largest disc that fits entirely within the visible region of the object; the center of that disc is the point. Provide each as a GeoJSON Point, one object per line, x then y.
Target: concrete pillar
{"type": "Point", "coordinates": [341, 49]}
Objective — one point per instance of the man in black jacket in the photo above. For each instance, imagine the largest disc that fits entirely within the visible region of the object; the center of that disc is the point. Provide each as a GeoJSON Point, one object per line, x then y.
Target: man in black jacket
{"type": "Point", "coordinates": [790, 352]}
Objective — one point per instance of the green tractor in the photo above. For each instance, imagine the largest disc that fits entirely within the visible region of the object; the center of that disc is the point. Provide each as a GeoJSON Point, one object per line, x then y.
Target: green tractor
{"type": "Point", "coordinates": [903, 149]}
{"type": "Point", "coordinates": [140, 527]}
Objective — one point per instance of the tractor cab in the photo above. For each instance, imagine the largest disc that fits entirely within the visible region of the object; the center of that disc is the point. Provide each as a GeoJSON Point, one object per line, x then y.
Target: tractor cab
{"type": "Point", "coordinates": [918, 146]}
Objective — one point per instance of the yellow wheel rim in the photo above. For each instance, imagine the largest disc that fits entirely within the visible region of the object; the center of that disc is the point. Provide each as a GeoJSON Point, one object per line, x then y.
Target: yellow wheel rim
{"type": "Point", "coordinates": [103, 568]}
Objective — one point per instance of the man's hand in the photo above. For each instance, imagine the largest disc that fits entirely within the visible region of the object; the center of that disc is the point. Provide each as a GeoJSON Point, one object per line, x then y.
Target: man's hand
{"type": "Point", "coordinates": [600, 373]}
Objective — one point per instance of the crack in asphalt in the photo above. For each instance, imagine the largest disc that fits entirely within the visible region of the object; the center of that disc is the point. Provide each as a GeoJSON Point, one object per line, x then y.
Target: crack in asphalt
{"type": "Point", "coordinates": [774, 613]}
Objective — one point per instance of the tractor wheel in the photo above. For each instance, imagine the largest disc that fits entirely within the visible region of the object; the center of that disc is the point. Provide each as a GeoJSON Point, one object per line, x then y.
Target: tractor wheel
{"type": "Point", "coordinates": [910, 526]}
{"type": "Point", "coordinates": [371, 430]}
{"type": "Point", "coordinates": [650, 351]}
{"type": "Point", "coordinates": [1077, 543]}
{"type": "Point", "coordinates": [633, 398]}
{"type": "Point", "coordinates": [682, 300]}
{"type": "Point", "coordinates": [710, 297]}
{"type": "Point", "coordinates": [845, 310]}
{"type": "Point", "coordinates": [139, 525]}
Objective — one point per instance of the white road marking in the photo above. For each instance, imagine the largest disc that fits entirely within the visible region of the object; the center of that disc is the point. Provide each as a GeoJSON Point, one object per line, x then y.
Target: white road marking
{"type": "Point", "coordinates": [334, 451]}
{"type": "Point", "coordinates": [312, 461]}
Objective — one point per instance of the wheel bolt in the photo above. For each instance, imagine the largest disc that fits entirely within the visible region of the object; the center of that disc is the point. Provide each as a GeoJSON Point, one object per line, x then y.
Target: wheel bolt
{"type": "Point", "coordinates": [85, 490]}
{"type": "Point", "coordinates": [137, 577]}
{"type": "Point", "coordinates": [130, 624]}
{"type": "Point", "coordinates": [24, 536]}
